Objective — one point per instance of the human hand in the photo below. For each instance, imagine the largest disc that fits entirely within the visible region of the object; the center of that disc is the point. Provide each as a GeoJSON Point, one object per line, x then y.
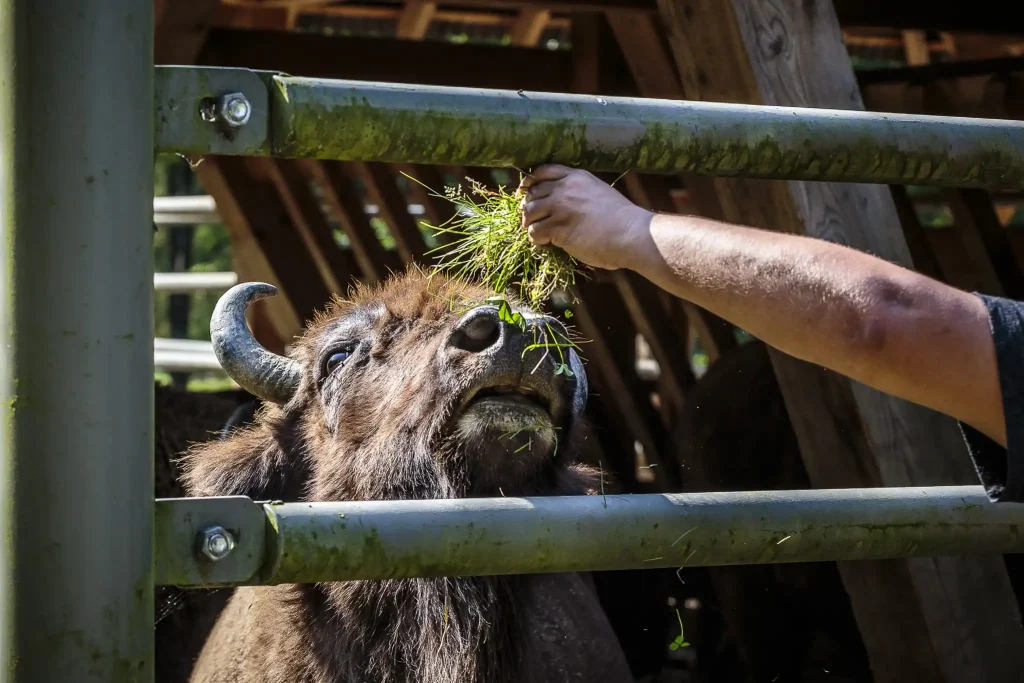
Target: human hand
{"type": "Point", "coordinates": [585, 216]}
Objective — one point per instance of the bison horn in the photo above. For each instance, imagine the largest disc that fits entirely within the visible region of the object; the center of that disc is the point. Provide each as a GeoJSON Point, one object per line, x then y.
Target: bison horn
{"type": "Point", "coordinates": [579, 397]}
{"type": "Point", "coordinates": [262, 373]}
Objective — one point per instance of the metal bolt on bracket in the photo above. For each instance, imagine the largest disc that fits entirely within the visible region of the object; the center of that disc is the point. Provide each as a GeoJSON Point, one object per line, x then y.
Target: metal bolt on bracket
{"type": "Point", "coordinates": [216, 543]}
{"type": "Point", "coordinates": [234, 109]}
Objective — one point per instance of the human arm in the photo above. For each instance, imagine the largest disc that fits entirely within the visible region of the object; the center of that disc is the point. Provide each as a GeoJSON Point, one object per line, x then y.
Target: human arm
{"type": "Point", "coordinates": [863, 317]}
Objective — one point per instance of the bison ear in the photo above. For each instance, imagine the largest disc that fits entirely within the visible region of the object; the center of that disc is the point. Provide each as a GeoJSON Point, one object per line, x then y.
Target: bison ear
{"type": "Point", "coordinates": [258, 462]}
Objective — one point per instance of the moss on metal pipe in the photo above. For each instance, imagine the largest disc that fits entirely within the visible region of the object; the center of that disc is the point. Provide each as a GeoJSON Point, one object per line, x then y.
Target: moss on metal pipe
{"type": "Point", "coordinates": [350, 120]}
{"type": "Point", "coordinates": [377, 540]}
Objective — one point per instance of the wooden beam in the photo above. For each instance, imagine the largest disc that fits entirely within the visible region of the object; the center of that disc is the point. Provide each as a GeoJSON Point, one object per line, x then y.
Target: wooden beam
{"type": "Point", "coordinates": [262, 236]}
{"type": "Point", "coordinates": [646, 53]}
{"type": "Point", "coordinates": [347, 207]}
{"type": "Point", "coordinates": [425, 188]}
{"type": "Point", "coordinates": [942, 619]}
{"type": "Point", "coordinates": [916, 234]}
{"type": "Point", "coordinates": [983, 16]}
{"type": "Point", "coordinates": [982, 237]}
{"type": "Point", "coordinates": [642, 45]}
{"type": "Point", "coordinates": [652, 321]}
{"type": "Point", "coordinates": [529, 26]}
{"type": "Point", "coordinates": [181, 29]}
{"type": "Point", "coordinates": [478, 17]}
{"type": "Point", "coordinates": [607, 349]}
{"type": "Point", "coordinates": [415, 19]}
{"type": "Point", "coordinates": [337, 267]}
{"type": "Point", "coordinates": [396, 61]}
{"type": "Point", "coordinates": [975, 219]}
{"type": "Point", "coordinates": [915, 47]}
{"type": "Point", "coordinates": [252, 17]}
{"type": "Point", "coordinates": [392, 207]}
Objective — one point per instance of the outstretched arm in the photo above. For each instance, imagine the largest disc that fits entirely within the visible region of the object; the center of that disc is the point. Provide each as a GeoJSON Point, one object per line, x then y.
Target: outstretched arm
{"type": "Point", "coordinates": [875, 322]}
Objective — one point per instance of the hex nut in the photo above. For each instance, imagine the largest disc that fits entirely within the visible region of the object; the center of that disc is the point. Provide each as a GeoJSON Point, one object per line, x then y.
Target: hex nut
{"type": "Point", "coordinates": [234, 109]}
{"type": "Point", "coordinates": [216, 543]}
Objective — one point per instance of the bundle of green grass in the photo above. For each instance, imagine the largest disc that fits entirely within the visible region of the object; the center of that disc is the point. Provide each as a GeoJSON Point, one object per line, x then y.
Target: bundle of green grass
{"type": "Point", "coordinates": [486, 242]}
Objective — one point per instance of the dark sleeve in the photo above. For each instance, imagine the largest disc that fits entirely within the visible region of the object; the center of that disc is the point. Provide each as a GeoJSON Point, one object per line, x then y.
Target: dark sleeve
{"type": "Point", "coordinates": [1002, 469]}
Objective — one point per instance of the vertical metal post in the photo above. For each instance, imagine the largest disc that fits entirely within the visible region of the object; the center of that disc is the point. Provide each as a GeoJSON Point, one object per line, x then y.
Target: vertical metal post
{"type": "Point", "coordinates": [76, 362]}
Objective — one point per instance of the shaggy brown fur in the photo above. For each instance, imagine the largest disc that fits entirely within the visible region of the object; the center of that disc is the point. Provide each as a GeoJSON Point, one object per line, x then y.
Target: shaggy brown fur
{"type": "Point", "coordinates": [386, 425]}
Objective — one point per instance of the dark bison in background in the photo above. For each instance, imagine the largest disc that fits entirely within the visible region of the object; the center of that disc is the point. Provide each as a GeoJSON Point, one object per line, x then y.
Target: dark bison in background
{"type": "Point", "coordinates": [413, 389]}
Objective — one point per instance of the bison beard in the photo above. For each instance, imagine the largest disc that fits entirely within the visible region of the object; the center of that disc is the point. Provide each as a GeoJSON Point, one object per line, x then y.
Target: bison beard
{"type": "Point", "coordinates": [393, 422]}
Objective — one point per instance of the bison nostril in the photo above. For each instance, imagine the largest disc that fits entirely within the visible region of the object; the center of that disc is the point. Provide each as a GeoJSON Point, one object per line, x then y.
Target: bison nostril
{"type": "Point", "coordinates": [477, 331]}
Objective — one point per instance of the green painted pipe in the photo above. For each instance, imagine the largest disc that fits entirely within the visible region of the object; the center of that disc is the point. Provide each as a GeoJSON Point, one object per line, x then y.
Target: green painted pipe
{"type": "Point", "coordinates": [351, 120]}
{"type": "Point", "coordinates": [377, 540]}
{"type": "Point", "coordinates": [76, 365]}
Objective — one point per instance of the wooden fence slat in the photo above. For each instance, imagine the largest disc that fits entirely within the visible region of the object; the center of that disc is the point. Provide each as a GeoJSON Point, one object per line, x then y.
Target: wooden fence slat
{"type": "Point", "coordinates": [960, 613]}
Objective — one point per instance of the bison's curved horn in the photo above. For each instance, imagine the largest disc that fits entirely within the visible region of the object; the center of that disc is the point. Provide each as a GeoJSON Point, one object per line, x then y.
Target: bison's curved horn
{"type": "Point", "coordinates": [579, 396]}
{"type": "Point", "coordinates": [262, 373]}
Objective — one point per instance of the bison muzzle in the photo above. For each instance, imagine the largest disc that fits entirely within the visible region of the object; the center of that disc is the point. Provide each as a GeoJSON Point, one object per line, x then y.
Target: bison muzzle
{"type": "Point", "coordinates": [414, 389]}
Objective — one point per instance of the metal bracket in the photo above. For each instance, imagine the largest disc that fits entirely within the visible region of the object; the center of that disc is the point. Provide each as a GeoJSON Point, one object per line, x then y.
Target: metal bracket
{"type": "Point", "coordinates": [179, 528]}
{"type": "Point", "coordinates": [186, 108]}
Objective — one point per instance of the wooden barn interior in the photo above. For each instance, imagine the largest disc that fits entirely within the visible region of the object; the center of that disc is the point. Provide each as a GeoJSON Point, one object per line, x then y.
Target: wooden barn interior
{"type": "Point", "coordinates": [681, 400]}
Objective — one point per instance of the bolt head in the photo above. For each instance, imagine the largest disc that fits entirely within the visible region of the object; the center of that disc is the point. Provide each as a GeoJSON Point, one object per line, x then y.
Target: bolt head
{"type": "Point", "coordinates": [235, 109]}
{"type": "Point", "coordinates": [217, 543]}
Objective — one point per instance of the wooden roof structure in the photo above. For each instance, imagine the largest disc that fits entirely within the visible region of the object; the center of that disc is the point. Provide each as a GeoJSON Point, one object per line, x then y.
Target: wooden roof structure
{"type": "Point", "coordinates": [303, 226]}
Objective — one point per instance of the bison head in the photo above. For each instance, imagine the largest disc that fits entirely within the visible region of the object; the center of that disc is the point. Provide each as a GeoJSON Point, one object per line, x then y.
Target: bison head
{"type": "Point", "coordinates": [416, 388]}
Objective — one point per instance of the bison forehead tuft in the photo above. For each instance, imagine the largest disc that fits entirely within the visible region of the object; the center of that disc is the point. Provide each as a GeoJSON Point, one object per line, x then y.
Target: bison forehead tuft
{"type": "Point", "coordinates": [411, 295]}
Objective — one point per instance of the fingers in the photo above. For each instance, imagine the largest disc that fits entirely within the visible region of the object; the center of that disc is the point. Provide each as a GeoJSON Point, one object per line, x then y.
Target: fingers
{"type": "Point", "coordinates": [551, 172]}
{"type": "Point", "coordinates": [541, 232]}
{"type": "Point", "coordinates": [540, 191]}
{"type": "Point", "coordinates": [537, 210]}
{"type": "Point", "coordinates": [544, 173]}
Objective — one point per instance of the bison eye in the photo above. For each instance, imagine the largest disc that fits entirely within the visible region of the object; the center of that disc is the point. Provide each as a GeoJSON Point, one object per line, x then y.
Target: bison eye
{"type": "Point", "coordinates": [336, 358]}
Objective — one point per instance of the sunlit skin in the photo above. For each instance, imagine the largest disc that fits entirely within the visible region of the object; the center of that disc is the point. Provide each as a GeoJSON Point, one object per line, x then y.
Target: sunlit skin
{"type": "Point", "coordinates": [878, 323]}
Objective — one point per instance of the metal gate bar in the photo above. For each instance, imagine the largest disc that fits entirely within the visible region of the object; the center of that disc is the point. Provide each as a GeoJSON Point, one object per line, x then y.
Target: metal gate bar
{"type": "Point", "coordinates": [312, 542]}
{"type": "Point", "coordinates": [352, 120]}
{"type": "Point", "coordinates": [76, 363]}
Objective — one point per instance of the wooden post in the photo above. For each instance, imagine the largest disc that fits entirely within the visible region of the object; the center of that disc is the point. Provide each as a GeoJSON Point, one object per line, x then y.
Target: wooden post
{"type": "Point", "coordinates": [941, 619]}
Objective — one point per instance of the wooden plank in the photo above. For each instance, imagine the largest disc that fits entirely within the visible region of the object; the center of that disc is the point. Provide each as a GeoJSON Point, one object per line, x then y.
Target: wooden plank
{"type": "Point", "coordinates": [337, 267]}
{"type": "Point", "coordinates": [608, 333]}
{"type": "Point", "coordinates": [262, 235]}
{"type": "Point", "coordinates": [641, 43]}
{"type": "Point", "coordinates": [586, 52]}
{"type": "Point", "coordinates": [391, 60]}
{"type": "Point", "coordinates": [646, 54]}
{"type": "Point", "coordinates": [652, 321]}
{"type": "Point", "coordinates": [937, 619]}
{"type": "Point", "coordinates": [529, 26]}
{"type": "Point", "coordinates": [415, 19]}
{"type": "Point", "coordinates": [981, 237]}
{"type": "Point", "coordinates": [983, 16]}
{"type": "Point", "coordinates": [975, 217]}
{"type": "Point", "coordinates": [392, 207]}
{"type": "Point", "coordinates": [438, 210]}
{"type": "Point", "coordinates": [921, 253]}
{"type": "Point", "coordinates": [253, 17]}
{"type": "Point", "coordinates": [181, 29]}
{"type": "Point", "coordinates": [915, 47]}
{"type": "Point", "coordinates": [347, 207]}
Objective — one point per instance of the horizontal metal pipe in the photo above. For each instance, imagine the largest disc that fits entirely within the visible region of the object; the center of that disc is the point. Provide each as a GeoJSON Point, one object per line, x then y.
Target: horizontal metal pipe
{"type": "Point", "coordinates": [185, 210]}
{"type": "Point", "coordinates": [377, 540]}
{"type": "Point", "coordinates": [193, 282]}
{"type": "Point", "coordinates": [196, 210]}
{"type": "Point", "coordinates": [351, 120]}
{"type": "Point", "coordinates": [175, 357]}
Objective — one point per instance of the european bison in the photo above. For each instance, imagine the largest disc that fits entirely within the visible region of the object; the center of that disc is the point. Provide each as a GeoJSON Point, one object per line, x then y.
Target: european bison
{"type": "Point", "coordinates": [413, 389]}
